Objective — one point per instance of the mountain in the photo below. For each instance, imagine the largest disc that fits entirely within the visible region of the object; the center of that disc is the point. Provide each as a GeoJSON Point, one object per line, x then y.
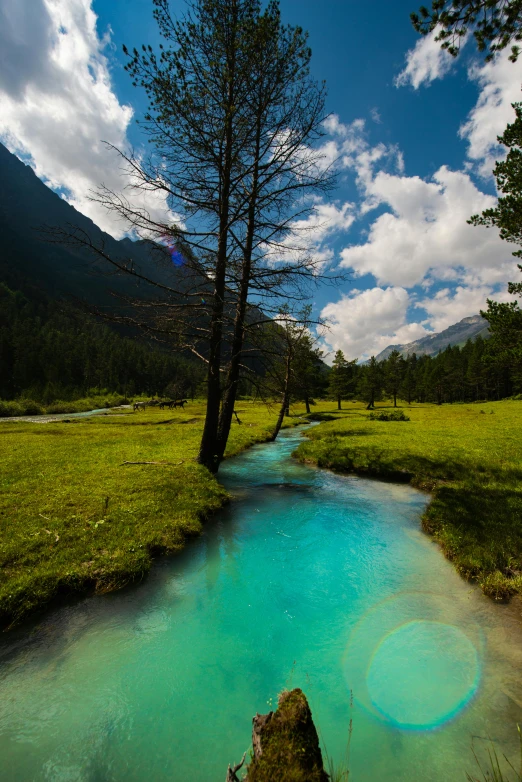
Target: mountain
{"type": "Point", "coordinates": [26, 205]}
{"type": "Point", "coordinates": [458, 334]}
{"type": "Point", "coordinates": [30, 264]}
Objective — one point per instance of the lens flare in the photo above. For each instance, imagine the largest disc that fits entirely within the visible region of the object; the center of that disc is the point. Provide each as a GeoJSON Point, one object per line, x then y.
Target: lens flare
{"type": "Point", "coordinates": [175, 255]}
{"type": "Point", "coordinates": [422, 674]}
{"type": "Point", "coordinates": [413, 662]}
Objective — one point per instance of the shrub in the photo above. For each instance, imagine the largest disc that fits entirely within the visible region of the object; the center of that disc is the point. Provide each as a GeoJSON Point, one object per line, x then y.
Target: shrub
{"type": "Point", "coordinates": [20, 407]}
{"type": "Point", "coordinates": [30, 407]}
{"type": "Point", "coordinates": [10, 408]}
{"type": "Point", "coordinates": [393, 415]}
{"type": "Point", "coordinates": [17, 407]}
{"type": "Point", "coordinates": [321, 417]}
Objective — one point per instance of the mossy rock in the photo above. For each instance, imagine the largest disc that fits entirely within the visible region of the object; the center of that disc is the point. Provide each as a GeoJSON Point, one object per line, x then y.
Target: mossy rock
{"type": "Point", "coordinates": [286, 745]}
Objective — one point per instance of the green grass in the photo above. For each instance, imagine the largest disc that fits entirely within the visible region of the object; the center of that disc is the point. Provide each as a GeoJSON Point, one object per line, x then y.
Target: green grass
{"type": "Point", "coordinates": [495, 769]}
{"type": "Point", "coordinates": [469, 456]}
{"type": "Point", "coordinates": [19, 407]}
{"type": "Point", "coordinates": [73, 518]}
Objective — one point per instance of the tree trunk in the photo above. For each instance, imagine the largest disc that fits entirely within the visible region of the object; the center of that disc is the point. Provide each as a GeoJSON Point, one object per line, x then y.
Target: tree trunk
{"type": "Point", "coordinates": [395, 399]}
{"type": "Point", "coordinates": [208, 450]}
{"type": "Point", "coordinates": [286, 399]}
{"type": "Point", "coordinates": [371, 403]}
{"type": "Point", "coordinates": [229, 398]}
{"type": "Point", "coordinates": [208, 455]}
{"type": "Point", "coordinates": [307, 404]}
{"type": "Point", "coordinates": [339, 402]}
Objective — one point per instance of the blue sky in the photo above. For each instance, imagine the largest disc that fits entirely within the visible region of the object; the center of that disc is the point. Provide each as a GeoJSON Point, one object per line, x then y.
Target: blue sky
{"type": "Point", "coordinates": [415, 132]}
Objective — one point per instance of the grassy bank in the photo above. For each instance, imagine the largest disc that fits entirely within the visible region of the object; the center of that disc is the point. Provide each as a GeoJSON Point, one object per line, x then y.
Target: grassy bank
{"type": "Point", "coordinates": [74, 518]}
{"type": "Point", "coordinates": [468, 456]}
{"type": "Point", "coordinates": [18, 407]}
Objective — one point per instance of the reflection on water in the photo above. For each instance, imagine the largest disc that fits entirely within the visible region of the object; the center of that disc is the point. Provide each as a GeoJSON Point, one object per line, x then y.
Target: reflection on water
{"type": "Point", "coordinates": [308, 579]}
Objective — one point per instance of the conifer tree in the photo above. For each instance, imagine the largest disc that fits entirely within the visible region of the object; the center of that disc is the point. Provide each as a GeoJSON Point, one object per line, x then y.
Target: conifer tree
{"type": "Point", "coordinates": [233, 119]}
{"type": "Point", "coordinates": [393, 374]}
{"type": "Point", "coordinates": [409, 380]}
{"type": "Point", "coordinates": [371, 383]}
{"type": "Point", "coordinates": [308, 371]}
{"type": "Point", "coordinates": [495, 23]}
{"type": "Point", "coordinates": [337, 379]}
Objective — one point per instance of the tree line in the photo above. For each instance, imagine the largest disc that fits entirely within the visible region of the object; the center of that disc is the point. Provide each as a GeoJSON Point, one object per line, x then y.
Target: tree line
{"type": "Point", "coordinates": [471, 373]}
{"type": "Point", "coordinates": [50, 350]}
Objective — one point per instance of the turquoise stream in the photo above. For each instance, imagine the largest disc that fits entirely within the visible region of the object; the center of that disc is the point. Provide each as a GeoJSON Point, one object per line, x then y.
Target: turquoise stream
{"type": "Point", "coordinates": [307, 579]}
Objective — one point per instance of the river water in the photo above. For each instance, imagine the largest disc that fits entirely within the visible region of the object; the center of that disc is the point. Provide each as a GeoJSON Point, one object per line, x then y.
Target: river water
{"type": "Point", "coordinates": [47, 418]}
{"type": "Point", "coordinates": [307, 579]}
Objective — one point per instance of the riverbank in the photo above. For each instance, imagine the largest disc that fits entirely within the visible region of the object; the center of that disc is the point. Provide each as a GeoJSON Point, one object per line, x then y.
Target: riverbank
{"type": "Point", "coordinates": [79, 515]}
{"type": "Point", "coordinates": [17, 408]}
{"type": "Point", "coordinates": [306, 579]}
{"type": "Point", "coordinates": [468, 456]}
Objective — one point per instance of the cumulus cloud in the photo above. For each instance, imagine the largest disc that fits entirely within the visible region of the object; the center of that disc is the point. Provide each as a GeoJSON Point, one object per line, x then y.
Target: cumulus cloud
{"type": "Point", "coordinates": [449, 306]}
{"type": "Point", "coordinates": [425, 233]}
{"type": "Point", "coordinates": [500, 86]}
{"type": "Point", "coordinates": [363, 323]}
{"type": "Point", "coordinates": [308, 236]}
{"type": "Point", "coordinates": [350, 149]}
{"type": "Point", "coordinates": [58, 105]}
{"type": "Point", "coordinates": [424, 63]}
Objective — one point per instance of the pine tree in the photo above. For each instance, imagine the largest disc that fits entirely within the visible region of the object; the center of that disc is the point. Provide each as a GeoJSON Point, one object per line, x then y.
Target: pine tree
{"type": "Point", "coordinates": [409, 389]}
{"type": "Point", "coordinates": [495, 24]}
{"type": "Point", "coordinates": [371, 382]}
{"type": "Point", "coordinates": [394, 369]}
{"type": "Point", "coordinates": [308, 373]}
{"type": "Point", "coordinates": [338, 378]}
{"type": "Point", "coordinates": [234, 117]}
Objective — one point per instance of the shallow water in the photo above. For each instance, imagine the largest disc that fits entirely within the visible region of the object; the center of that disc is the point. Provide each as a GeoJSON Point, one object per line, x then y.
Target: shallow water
{"type": "Point", "coordinates": [308, 579]}
{"type": "Point", "coordinates": [49, 418]}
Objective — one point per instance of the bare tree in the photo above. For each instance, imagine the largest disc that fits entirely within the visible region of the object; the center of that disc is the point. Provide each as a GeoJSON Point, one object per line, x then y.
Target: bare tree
{"type": "Point", "coordinates": [234, 120]}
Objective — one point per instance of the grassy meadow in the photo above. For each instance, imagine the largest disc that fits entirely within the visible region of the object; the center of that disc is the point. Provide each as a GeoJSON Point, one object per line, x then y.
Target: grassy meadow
{"type": "Point", "coordinates": [469, 456]}
{"type": "Point", "coordinates": [73, 517]}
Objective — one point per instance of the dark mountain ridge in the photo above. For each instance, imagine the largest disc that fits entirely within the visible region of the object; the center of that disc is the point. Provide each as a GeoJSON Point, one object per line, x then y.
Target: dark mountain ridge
{"type": "Point", "coordinates": [27, 205]}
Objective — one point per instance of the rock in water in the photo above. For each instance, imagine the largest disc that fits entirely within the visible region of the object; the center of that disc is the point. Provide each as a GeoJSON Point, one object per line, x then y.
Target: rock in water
{"type": "Point", "coordinates": [285, 744]}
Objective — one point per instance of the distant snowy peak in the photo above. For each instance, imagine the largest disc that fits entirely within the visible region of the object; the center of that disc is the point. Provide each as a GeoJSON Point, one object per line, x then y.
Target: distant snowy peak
{"type": "Point", "coordinates": [431, 344]}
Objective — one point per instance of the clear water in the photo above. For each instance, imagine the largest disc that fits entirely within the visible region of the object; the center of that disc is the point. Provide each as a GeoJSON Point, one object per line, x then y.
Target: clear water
{"type": "Point", "coordinates": [48, 418]}
{"type": "Point", "coordinates": [308, 579]}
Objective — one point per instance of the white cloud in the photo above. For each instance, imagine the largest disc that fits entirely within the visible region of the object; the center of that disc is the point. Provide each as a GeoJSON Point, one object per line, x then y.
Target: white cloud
{"type": "Point", "coordinates": [375, 115]}
{"type": "Point", "coordinates": [449, 306]}
{"type": "Point", "coordinates": [423, 237]}
{"type": "Point", "coordinates": [499, 82]}
{"type": "Point", "coordinates": [500, 86]}
{"type": "Point", "coordinates": [309, 234]}
{"type": "Point", "coordinates": [425, 63]}
{"type": "Point", "coordinates": [57, 103]}
{"type": "Point", "coordinates": [351, 149]}
{"type": "Point", "coordinates": [425, 233]}
{"type": "Point", "coordinates": [364, 323]}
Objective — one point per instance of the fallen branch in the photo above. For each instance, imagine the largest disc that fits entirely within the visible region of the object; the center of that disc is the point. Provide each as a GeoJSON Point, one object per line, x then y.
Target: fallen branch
{"type": "Point", "coordinates": [231, 773]}
{"type": "Point", "coordinates": [161, 464]}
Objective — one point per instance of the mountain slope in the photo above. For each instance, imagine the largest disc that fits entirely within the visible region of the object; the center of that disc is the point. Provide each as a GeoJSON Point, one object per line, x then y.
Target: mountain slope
{"type": "Point", "coordinates": [27, 204]}
{"type": "Point", "coordinates": [458, 334]}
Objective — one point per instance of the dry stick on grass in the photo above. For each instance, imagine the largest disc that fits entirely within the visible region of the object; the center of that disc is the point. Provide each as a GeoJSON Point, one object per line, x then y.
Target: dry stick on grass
{"type": "Point", "coordinates": [161, 464]}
